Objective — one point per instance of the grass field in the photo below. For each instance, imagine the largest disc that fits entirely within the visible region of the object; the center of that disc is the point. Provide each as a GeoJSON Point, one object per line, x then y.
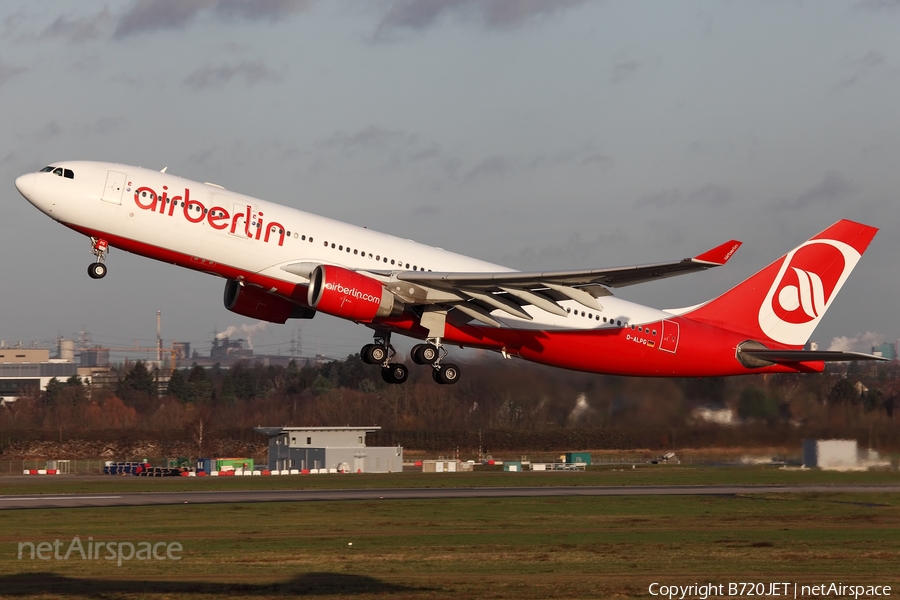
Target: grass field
{"type": "Point", "coordinates": [493, 477]}
{"type": "Point", "coordinates": [577, 547]}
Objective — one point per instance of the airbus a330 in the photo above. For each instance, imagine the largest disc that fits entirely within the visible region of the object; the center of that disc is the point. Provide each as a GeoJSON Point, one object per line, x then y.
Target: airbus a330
{"type": "Point", "coordinates": [281, 263]}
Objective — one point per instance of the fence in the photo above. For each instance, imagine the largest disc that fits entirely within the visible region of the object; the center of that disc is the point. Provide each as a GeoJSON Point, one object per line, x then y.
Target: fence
{"type": "Point", "coordinates": [85, 466]}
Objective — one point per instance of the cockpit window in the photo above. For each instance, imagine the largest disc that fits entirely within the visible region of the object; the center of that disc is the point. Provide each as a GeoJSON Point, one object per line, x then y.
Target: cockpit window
{"type": "Point", "coordinates": [67, 173]}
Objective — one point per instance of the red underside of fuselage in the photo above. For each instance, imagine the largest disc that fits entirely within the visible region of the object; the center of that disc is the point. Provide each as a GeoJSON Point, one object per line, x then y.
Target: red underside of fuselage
{"type": "Point", "coordinates": [697, 350]}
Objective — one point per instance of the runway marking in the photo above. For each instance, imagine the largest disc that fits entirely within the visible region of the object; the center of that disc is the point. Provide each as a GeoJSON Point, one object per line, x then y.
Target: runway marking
{"type": "Point", "coordinates": [18, 498]}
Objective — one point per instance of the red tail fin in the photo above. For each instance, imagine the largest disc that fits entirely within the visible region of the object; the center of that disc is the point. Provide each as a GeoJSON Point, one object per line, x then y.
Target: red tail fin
{"type": "Point", "coordinates": [784, 302]}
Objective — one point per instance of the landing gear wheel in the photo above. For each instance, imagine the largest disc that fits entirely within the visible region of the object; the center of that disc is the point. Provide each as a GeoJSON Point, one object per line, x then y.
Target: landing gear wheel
{"type": "Point", "coordinates": [446, 374]}
{"type": "Point", "coordinates": [425, 354]}
{"type": "Point", "coordinates": [375, 354]}
{"type": "Point", "coordinates": [97, 270]}
{"type": "Point", "coordinates": [395, 373]}
{"type": "Point", "coordinates": [364, 353]}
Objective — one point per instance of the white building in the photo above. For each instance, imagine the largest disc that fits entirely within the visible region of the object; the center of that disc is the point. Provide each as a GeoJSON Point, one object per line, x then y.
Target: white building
{"type": "Point", "coordinates": [21, 369]}
{"type": "Point", "coordinates": [340, 448]}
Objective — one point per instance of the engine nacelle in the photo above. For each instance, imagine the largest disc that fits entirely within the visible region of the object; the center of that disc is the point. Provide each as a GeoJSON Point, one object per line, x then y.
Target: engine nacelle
{"type": "Point", "coordinates": [252, 302]}
{"type": "Point", "coordinates": [349, 295]}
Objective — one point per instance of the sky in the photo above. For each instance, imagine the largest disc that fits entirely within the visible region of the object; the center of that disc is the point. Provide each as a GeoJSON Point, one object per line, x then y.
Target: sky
{"type": "Point", "coordinates": [537, 134]}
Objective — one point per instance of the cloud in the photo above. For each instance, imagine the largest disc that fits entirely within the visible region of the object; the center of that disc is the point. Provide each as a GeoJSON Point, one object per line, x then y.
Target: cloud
{"type": "Point", "coordinates": [832, 189]}
{"type": "Point", "coordinates": [494, 166]}
{"type": "Point", "coordinates": [571, 253]}
{"type": "Point", "coordinates": [7, 72]}
{"type": "Point", "coordinates": [859, 68]}
{"type": "Point", "coordinates": [878, 4]}
{"type": "Point", "coordinates": [76, 31]}
{"type": "Point", "coordinates": [860, 343]}
{"type": "Point", "coordinates": [660, 199]}
{"type": "Point", "coordinates": [263, 9]}
{"type": "Point", "coordinates": [370, 137]}
{"type": "Point", "coordinates": [624, 70]}
{"type": "Point", "coordinates": [425, 212]}
{"type": "Point", "coordinates": [417, 15]}
{"type": "Point", "coordinates": [251, 72]}
{"type": "Point", "coordinates": [710, 195]}
{"type": "Point", "coordinates": [153, 15]}
{"type": "Point", "coordinates": [104, 125]}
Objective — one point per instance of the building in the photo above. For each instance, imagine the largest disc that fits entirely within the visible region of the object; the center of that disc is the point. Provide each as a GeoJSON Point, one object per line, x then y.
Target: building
{"type": "Point", "coordinates": [888, 350]}
{"type": "Point", "coordinates": [830, 455]}
{"type": "Point", "coordinates": [21, 369]}
{"type": "Point", "coordinates": [338, 449]}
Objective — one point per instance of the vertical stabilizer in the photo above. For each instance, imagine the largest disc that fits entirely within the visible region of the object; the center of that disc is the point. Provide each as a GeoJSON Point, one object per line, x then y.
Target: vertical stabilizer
{"type": "Point", "coordinates": [784, 302]}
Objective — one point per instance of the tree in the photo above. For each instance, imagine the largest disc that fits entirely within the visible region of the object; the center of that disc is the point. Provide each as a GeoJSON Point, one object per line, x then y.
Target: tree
{"type": "Point", "coordinates": [177, 386]}
{"type": "Point", "coordinates": [199, 386]}
{"type": "Point", "coordinates": [754, 403]}
{"type": "Point", "coordinates": [843, 392]}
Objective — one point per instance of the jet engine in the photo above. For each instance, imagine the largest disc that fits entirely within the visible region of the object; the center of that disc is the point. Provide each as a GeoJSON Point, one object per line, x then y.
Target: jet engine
{"type": "Point", "coordinates": [349, 295]}
{"type": "Point", "coordinates": [253, 302]}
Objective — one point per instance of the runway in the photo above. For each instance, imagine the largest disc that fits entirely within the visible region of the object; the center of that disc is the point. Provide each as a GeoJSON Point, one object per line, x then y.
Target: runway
{"type": "Point", "coordinates": [36, 501]}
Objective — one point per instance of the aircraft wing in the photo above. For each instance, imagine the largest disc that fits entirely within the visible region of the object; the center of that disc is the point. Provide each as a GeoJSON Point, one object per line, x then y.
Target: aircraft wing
{"type": "Point", "coordinates": [610, 277]}
{"type": "Point", "coordinates": [478, 294]}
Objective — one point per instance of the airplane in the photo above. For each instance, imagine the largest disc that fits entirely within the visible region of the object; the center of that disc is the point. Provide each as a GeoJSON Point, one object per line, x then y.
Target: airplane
{"type": "Point", "coordinates": [280, 263]}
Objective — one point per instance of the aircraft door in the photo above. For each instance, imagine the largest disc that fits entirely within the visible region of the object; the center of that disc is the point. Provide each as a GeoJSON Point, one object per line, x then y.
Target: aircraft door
{"type": "Point", "coordinates": [115, 183]}
{"type": "Point", "coordinates": [240, 227]}
{"type": "Point", "coordinates": [669, 340]}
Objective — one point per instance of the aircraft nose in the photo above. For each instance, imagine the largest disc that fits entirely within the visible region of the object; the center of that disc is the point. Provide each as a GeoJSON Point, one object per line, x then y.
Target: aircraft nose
{"type": "Point", "coordinates": [25, 184]}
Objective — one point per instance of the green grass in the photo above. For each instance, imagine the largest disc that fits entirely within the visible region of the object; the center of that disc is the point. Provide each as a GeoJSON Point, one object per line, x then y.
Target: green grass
{"type": "Point", "coordinates": [641, 475]}
{"type": "Point", "coordinates": [519, 548]}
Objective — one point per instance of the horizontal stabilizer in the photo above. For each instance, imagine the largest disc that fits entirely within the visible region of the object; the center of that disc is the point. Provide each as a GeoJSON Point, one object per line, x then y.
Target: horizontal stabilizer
{"type": "Point", "coordinates": [793, 356]}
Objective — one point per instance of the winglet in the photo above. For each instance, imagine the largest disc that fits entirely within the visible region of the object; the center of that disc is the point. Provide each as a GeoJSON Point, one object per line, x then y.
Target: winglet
{"type": "Point", "coordinates": [720, 254]}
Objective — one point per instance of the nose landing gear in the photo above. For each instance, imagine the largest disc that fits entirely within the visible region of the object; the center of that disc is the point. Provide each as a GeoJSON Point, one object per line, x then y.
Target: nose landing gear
{"type": "Point", "coordinates": [99, 248]}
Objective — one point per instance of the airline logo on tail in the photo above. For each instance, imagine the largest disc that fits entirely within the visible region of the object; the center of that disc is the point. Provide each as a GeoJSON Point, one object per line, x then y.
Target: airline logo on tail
{"type": "Point", "coordinates": [808, 280]}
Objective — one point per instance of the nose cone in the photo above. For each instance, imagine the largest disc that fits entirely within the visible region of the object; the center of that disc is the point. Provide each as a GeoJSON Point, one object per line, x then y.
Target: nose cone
{"type": "Point", "coordinates": [25, 184]}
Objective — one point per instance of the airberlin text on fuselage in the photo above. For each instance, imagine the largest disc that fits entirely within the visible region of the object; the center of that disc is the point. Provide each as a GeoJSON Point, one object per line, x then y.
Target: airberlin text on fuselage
{"type": "Point", "coordinates": [217, 216]}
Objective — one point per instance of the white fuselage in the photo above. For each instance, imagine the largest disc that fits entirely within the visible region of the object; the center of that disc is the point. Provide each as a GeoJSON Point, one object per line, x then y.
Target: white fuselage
{"type": "Point", "coordinates": [217, 228]}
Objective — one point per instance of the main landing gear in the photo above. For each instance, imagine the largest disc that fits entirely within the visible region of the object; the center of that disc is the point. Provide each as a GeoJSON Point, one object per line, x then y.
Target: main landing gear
{"type": "Point", "coordinates": [381, 353]}
{"type": "Point", "coordinates": [430, 353]}
{"type": "Point", "coordinates": [99, 248]}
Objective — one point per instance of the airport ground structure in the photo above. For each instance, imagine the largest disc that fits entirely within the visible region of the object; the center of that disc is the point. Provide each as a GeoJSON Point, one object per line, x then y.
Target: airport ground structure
{"type": "Point", "coordinates": [337, 449]}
